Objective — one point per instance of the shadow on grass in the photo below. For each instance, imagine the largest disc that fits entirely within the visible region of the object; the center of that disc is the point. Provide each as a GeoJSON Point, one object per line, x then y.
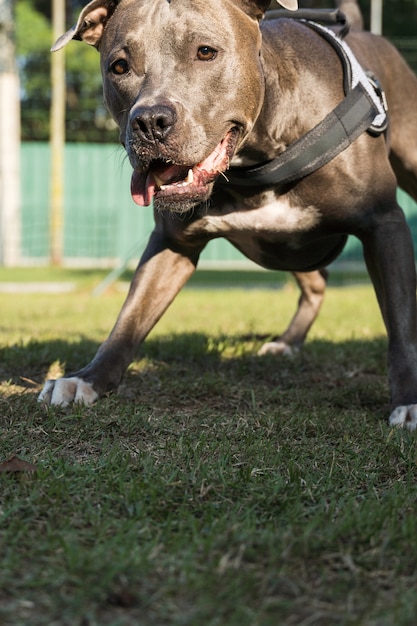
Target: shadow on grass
{"type": "Point", "coordinates": [194, 370]}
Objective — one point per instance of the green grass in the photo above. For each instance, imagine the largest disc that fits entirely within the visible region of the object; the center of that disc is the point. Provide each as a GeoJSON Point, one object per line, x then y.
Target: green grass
{"type": "Point", "coordinates": [216, 488]}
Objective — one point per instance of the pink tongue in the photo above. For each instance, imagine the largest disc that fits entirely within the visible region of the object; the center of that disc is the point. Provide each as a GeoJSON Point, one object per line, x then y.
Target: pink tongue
{"type": "Point", "coordinates": [142, 188]}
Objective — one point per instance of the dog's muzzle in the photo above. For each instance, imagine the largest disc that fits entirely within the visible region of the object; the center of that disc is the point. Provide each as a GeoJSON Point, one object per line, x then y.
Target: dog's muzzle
{"type": "Point", "coordinates": [173, 184]}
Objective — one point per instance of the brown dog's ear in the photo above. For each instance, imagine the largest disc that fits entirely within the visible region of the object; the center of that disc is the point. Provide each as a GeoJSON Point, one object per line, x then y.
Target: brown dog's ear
{"type": "Point", "coordinates": [291, 5]}
{"type": "Point", "coordinates": [90, 25]}
{"type": "Point", "coordinates": [261, 6]}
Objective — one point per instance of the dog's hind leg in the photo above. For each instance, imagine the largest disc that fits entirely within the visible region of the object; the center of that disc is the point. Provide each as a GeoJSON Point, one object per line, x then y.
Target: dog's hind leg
{"type": "Point", "coordinates": [313, 287]}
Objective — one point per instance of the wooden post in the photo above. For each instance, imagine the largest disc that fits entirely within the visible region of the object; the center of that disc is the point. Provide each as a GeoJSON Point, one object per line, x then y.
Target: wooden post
{"type": "Point", "coordinates": [376, 17]}
{"type": "Point", "coordinates": [57, 138]}
{"type": "Point", "coordinates": [9, 141]}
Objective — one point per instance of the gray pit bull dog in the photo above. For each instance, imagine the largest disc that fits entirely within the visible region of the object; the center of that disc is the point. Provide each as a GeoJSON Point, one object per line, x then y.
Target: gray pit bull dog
{"type": "Point", "coordinates": [197, 87]}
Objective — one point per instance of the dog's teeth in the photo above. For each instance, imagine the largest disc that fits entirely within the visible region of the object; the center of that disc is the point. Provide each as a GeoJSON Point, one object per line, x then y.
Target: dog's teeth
{"type": "Point", "coordinates": [187, 181]}
{"type": "Point", "coordinates": [158, 182]}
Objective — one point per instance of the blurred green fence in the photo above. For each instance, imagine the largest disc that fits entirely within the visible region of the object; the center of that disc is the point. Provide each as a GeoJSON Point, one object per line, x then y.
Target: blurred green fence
{"type": "Point", "coordinates": [102, 225]}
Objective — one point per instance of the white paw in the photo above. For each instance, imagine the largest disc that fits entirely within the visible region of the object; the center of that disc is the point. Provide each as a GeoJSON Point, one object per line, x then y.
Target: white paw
{"type": "Point", "coordinates": [278, 347]}
{"type": "Point", "coordinates": [404, 417]}
{"type": "Point", "coordinates": [63, 391]}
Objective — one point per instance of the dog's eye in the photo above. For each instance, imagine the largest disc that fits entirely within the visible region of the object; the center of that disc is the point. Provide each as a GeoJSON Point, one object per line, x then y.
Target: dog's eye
{"type": "Point", "coordinates": [205, 53]}
{"type": "Point", "coordinates": [119, 67]}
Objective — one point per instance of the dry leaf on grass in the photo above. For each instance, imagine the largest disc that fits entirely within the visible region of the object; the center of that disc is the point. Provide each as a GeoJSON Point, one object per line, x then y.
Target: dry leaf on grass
{"type": "Point", "coordinates": [15, 465]}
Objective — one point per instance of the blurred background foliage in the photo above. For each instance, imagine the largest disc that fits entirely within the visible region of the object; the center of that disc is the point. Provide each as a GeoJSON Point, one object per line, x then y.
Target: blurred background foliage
{"type": "Point", "coordinates": [86, 117]}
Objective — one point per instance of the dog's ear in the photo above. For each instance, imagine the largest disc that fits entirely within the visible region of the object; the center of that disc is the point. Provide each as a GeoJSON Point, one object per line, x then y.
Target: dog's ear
{"type": "Point", "coordinates": [90, 25]}
{"type": "Point", "coordinates": [291, 5]}
{"type": "Point", "coordinates": [257, 8]}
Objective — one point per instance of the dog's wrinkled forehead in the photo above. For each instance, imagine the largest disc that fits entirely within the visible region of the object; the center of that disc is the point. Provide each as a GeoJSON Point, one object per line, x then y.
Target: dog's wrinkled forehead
{"type": "Point", "coordinates": [172, 25]}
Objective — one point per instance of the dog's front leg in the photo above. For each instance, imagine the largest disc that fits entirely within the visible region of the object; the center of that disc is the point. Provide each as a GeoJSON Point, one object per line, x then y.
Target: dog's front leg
{"type": "Point", "coordinates": [389, 255]}
{"type": "Point", "coordinates": [160, 275]}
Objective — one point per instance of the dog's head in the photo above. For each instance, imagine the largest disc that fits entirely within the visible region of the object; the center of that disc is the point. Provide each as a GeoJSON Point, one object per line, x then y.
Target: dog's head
{"type": "Point", "coordinates": [183, 79]}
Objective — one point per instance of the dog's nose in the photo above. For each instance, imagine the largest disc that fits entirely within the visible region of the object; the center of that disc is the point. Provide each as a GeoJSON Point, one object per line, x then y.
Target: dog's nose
{"type": "Point", "coordinates": [153, 123]}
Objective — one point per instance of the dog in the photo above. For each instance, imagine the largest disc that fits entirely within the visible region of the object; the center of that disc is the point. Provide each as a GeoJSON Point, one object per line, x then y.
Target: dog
{"type": "Point", "coordinates": [204, 90]}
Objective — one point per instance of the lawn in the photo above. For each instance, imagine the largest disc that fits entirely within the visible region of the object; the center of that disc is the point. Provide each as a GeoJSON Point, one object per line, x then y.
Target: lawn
{"type": "Point", "coordinates": [217, 488]}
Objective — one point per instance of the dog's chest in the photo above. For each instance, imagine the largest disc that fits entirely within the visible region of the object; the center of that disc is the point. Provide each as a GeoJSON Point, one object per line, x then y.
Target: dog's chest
{"type": "Point", "coordinates": [273, 219]}
{"type": "Point", "coordinates": [276, 235]}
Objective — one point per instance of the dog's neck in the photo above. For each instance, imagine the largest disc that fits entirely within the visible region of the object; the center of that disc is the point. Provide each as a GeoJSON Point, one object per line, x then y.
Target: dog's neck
{"type": "Point", "coordinates": [267, 139]}
{"type": "Point", "coordinates": [289, 110]}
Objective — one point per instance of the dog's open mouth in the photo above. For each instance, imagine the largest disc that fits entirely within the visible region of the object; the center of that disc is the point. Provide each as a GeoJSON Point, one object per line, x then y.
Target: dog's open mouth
{"type": "Point", "coordinates": [176, 183]}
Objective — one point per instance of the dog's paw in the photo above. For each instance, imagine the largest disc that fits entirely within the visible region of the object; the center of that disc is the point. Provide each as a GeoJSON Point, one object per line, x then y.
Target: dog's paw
{"type": "Point", "coordinates": [278, 347]}
{"type": "Point", "coordinates": [404, 417]}
{"type": "Point", "coordinates": [63, 391]}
